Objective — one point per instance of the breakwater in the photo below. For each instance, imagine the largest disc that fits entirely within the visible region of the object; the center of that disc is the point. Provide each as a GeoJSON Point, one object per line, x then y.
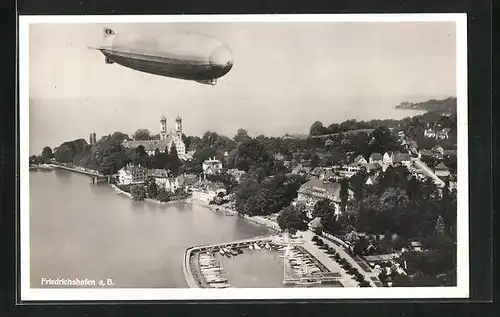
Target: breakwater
{"type": "Point", "coordinates": [191, 267]}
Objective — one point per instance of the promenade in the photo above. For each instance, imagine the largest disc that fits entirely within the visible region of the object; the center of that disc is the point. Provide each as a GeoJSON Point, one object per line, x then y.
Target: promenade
{"type": "Point", "coordinates": [324, 258]}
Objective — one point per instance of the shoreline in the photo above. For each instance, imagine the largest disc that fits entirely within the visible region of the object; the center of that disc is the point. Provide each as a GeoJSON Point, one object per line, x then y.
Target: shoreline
{"type": "Point", "coordinates": [149, 200]}
{"type": "Point", "coordinates": [231, 212]}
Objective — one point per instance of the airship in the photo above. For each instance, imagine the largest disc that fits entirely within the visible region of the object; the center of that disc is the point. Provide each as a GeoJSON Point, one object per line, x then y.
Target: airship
{"type": "Point", "coordinates": [181, 55]}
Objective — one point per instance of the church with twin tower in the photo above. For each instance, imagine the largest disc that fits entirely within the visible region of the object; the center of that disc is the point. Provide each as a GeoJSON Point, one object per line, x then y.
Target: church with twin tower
{"type": "Point", "coordinates": [165, 142]}
{"type": "Point", "coordinates": [174, 137]}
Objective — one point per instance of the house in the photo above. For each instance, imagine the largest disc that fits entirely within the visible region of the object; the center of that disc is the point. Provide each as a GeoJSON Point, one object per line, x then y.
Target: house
{"type": "Point", "coordinates": [416, 246]}
{"type": "Point", "coordinates": [161, 177]}
{"type": "Point", "coordinates": [372, 167]}
{"type": "Point", "coordinates": [401, 134]}
{"type": "Point", "coordinates": [387, 158]}
{"type": "Point", "coordinates": [329, 142]}
{"type": "Point", "coordinates": [360, 160]}
{"type": "Point", "coordinates": [186, 181]}
{"type": "Point", "coordinates": [370, 180]}
{"type": "Point", "coordinates": [131, 174]}
{"type": "Point", "coordinates": [430, 133]}
{"type": "Point", "coordinates": [315, 190]}
{"type": "Point", "coordinates": [236, 174]}
{"type": "Point", "coordinates": [348, 171]}
{"type": "Point", "coordinates": [443, 134]}
{"type": "Point", "coordinates": [438, 149]}
{"type": "Point", "coordinates": [211, 166]}
{"type": "Point", "coordinates": [208, 192]}
{"type": "Point", "coordinates": [300, 169]}
{"type": "Point", "coordinates": [278, 157]}
{"type": "Point", "coordinates": [441, 170]}
{"type": "Point", "coordinates": [427, 153]}
{"type": "Point", "coordinates": [401, 158]}
{"type": "Point", "coordinates": [375, 158]}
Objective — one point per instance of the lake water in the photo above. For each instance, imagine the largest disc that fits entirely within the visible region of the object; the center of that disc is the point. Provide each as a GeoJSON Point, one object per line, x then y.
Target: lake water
{"type": "Point", "coordinates": [79, 230]}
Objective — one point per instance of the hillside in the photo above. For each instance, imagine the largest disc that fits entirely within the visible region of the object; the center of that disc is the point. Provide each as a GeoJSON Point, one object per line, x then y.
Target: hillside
{"type": "Point", "coordinates": [448, 105]}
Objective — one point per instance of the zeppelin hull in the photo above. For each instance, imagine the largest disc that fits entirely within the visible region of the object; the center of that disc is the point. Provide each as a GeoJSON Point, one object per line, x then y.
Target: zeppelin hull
{"type": "Point", "coordinates": [181, 69]}
{"type": "Point", "coordinates": [183, 56]}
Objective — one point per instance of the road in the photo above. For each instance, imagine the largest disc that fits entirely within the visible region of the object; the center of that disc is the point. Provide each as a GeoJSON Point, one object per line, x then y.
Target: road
{"type": "Point", "coordinates": [331, 263]}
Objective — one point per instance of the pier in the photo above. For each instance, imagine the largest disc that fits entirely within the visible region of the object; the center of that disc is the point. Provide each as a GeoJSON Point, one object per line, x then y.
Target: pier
{"type": "Point", "coordinates": [95, 177]}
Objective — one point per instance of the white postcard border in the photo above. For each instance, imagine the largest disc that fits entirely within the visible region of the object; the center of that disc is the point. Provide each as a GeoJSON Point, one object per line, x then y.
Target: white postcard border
{"type": "Point", "coordinates": [459, 291]}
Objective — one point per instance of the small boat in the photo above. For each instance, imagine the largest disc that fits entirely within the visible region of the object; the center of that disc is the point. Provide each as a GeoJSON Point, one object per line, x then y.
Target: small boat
{"type": "Point", "coordinates": [256, 246]}
{"type": "Point", "coordinates": [233, 252]}
{"type": "Point", "coordinates": [221, 252]}
{"type": "Point", "coordinates": [240, 250]}
{"type": "Point", "coordinates": [268, 246]}
{"type": "Point", "coordinates": [250, 247]}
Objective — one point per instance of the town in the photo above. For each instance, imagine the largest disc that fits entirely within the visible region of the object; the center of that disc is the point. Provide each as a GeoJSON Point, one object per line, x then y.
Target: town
{"type": "Point", "coordinates": [382, 190]}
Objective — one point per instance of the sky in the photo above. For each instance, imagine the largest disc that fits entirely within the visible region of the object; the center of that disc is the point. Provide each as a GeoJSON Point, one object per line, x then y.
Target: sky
{"type": "Point", "coordinates": [285, 77]}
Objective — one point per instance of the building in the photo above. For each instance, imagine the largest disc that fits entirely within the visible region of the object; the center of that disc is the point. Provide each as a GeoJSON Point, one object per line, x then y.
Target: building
{"type": "Point", "coordinates": [212, 166]}
{"type": "Point", "coordinates": [165, 142]}
{"type": "Point", "coordinates": [131, 174]}
{"type": "Point", "coordinates": [387, 158]}
{"type": "Point", "coordinates": [301, 170]}
{"type": "Point", "coordinates": [206, 191]}
{"type": "Point", "coordinates": [443, 134]}
{"type": "Point", "coordinates": [360, 160]}
{"type": "Point", "coordinates": [187, 181]}
{"type": "Point", "coordinates": [441, 170]}
{"type": "Point", "coordinates": [430, 133]}
{"type": "Point", "coordinates": [236, 174]}
{"type": "Point", "coordinates": [370, 180]}
{"type": "Point", "coordinates": [402, 158]}
{"type": "Point", "coordinates": [375, 158]}
{"type": "Point", "coordinates": [348, 171]}
{"type": "Point", "coordinates": [163, 180]}
{"type": "Point", "coordinates": [315, 190]}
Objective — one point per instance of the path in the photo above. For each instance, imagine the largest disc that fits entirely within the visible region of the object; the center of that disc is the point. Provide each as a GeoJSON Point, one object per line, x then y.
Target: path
{"type": "Point", "coordinates": [325, 259]}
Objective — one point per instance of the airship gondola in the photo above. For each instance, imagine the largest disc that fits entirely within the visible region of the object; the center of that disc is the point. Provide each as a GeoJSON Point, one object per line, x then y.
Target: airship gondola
{"type": "Point", "coordinates": [187, 56]}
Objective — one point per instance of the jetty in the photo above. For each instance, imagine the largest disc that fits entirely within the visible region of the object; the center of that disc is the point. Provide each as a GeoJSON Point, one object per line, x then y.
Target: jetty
{"type": "Point", "coordinates": [95, 176]}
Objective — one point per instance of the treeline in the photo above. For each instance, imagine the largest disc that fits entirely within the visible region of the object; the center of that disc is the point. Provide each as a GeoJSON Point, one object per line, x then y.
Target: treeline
{"type": "Point", "coordinates": [448, 105]}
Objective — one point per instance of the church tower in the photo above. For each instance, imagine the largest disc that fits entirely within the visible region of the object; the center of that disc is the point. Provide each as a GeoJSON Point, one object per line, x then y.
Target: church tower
{"type": "Point", "coordinates": [178, 125]}
{"type": "Point", "coordinates": [163, 128]}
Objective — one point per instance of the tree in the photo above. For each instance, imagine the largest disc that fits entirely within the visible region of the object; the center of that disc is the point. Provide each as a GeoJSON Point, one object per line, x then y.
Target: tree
{"type": "Point", "coordinates": [94, 140]}
{"type": "Point", "coordinates": [439, 228]}
{"type": "Point", "coordinates": [325, 209]}
{"type": "Point", "coordinates": [163, 196]}
{"type": "Point", "coordinates": [138, 192]}
{"type": "Point", "coordinates": [241, 135]}
{"type": "Point", "coordinates": [317, 128]}
{"type": "Point", "coordinates": [47, 154]}
{"type": "Point", "coordinates": [291, 219]}
{"type": "Point", "coordinates": [173, 161]}
{"type": "Point", "coordinates": [151, 188]}
{"type": "Point", "coordinates": [344, 194]}
{"type": "Point", "coordinates": [142, 134]}
{"type": "Point", "coordinates": [91, 140]}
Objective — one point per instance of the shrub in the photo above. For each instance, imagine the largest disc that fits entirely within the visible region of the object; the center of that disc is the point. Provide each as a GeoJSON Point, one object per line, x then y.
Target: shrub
{"type": "Point", "coordinates": [315, 239]}
{"type": "Point", "coordinates": [320, 242]}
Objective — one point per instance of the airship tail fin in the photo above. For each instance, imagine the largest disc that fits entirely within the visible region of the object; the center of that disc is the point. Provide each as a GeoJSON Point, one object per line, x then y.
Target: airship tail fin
{"type": "Point", "coordinates": [107, 32]}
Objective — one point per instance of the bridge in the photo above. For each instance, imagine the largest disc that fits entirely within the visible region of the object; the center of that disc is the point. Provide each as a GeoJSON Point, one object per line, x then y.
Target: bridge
{"type": "Point", "coordinates": [96, 177]}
